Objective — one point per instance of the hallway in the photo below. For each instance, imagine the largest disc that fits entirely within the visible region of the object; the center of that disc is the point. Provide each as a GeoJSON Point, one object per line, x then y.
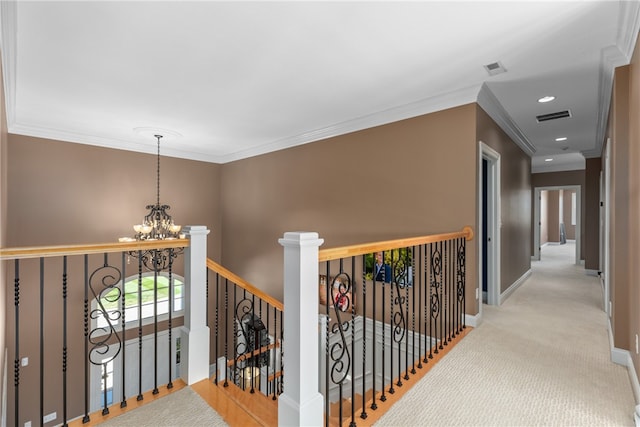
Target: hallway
{"type": "Point", "coordinates": [542, 358]}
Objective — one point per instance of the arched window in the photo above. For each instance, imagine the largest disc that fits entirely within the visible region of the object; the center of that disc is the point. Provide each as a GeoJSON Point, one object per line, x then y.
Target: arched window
{"type": "Point", "coordinates": [111, 301]}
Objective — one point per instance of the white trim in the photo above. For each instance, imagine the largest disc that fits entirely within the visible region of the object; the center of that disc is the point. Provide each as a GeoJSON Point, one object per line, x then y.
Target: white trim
{"type": "Point", "coordinates": [607, 229]}
{"type": "Point", "coordinates": [506, 294]}
{"type": "Point", "coordinates": [494, 225]}
{"type": "Point", "coordinates": [590, 272]}
{"type": "Point", "coordinates": [536, 220]}
{"type": "Point", "coordinates": [623, 357]}
{"type": "Point", "coordinates": [473, 320]}
{"type": "Point", "coordinates": [490, 104]}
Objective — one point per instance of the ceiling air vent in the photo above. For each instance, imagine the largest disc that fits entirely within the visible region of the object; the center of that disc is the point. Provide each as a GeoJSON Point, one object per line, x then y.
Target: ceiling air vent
{"type": "Point", "coordinates": [495, 68]}
{"type": "Point", "coordinates": [553, 116]}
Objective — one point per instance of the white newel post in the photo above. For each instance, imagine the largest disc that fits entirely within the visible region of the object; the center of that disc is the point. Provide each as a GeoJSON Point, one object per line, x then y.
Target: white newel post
{"type": "Point", "coordinates": [194, 346]}
{"type": "Point", "coordinates": [300, 404]}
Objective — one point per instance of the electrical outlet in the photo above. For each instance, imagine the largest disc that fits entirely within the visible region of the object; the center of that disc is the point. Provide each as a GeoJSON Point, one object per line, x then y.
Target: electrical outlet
{"type": "Point", "coordinates": [477, 293]}
{"type": "Point", "coordinates": [27, 424]}
{"type": "Point", "coordinates": [52, 416]}
{"type": "Point", "coordinates": [24, 361]}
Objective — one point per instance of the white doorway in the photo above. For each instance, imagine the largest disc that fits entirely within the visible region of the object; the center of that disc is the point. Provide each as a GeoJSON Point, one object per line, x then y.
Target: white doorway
{"type": "Point", "coordinates": [537, 219]}
{"type": "Point", "coordinates": [489, 224]}
{"type": "Point", "coordinates": [605, 218]}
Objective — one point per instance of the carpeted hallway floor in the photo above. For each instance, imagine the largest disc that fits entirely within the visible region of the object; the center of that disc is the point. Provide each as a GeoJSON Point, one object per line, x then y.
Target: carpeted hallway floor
{"type": "Point", "coordinates": [541, 358]}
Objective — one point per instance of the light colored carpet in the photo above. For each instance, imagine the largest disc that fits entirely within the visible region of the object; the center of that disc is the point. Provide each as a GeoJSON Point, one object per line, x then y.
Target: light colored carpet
{"type": "Point", "coordinates": [542, 358]}
{"type": "Point", "coordinates": [184, 408]}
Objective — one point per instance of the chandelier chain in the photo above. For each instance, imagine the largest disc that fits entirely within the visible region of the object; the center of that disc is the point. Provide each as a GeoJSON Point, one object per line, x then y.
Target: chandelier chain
{"type": "Point", "coordinates": [158, 173]}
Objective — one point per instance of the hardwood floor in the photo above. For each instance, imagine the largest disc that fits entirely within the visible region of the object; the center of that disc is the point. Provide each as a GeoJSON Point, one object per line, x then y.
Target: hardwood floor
{"type": "Point", "coordinates": [238, 407]}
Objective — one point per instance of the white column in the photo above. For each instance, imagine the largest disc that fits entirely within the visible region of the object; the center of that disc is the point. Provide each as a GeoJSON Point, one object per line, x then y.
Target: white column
{"type": "Point", "coordinates": [194, 346]}
{"type": "Point", "coordinates": [300, 404]}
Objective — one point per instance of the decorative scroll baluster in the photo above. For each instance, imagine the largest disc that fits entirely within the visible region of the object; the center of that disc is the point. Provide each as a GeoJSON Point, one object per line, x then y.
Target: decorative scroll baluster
{"type": "Point", "coordinates": [383, 397]}
{"type": "Point", "coordinates": [105, 341]}
{"type": "Point", "coordinates": [420, 285]}
{"type": "Point", "coordinates": [374, 405]}
{"type": "Point", "coordinates": [413, 316]}
{"type": "Point", "coordinates": [445, 302]}
{"type": "Point", "coordinates": [461, 280]}
{"type": "Point", "coordinates": [392, 320]}
{"type": "Point", "coordinates": [353, 344]}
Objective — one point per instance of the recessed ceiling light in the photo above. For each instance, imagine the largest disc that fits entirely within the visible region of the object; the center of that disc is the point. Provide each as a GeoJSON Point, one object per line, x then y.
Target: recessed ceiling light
{"type": "Point", "coordinates": [562, 138]}
{"type": "Point", "coordinates": [548, 160]}
{"type": "Point", "coordinates": [547, 98]}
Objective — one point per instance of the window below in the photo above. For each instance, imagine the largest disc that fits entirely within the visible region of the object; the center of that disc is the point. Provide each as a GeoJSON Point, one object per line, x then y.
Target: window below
{"type": "Point", "coordinates": [139, 299]}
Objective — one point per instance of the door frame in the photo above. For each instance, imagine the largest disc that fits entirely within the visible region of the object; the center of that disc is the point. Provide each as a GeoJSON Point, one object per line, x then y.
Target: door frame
{"type": "Point", "coordinates": [493, 225]}
{"type": "Point", "coordinates": [536, 218]}
{"type": "Point", "coordinates": [605, 245]}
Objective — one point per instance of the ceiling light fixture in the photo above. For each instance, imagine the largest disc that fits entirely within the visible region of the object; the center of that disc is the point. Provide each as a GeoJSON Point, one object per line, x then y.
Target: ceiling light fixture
{"type": "Point", "coordinates": [547, 98]}
{"type": "Point", "coordinates": [548, 160]}
{"type": "Point", "coordinates": [562, 138]}
{"type": "Point", "coordinates": [156, 225]}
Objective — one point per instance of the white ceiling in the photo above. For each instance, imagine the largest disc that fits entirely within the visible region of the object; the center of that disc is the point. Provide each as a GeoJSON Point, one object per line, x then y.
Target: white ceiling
{"type": "Point", "coordinates": [228, 80]}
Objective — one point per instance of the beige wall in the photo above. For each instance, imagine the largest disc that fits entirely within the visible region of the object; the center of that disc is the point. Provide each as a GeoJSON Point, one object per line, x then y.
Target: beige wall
{"type": "Point", "coordinates": [544, 220]}
{"type": "Point", "coordinates": [619, 274]}
{"type": "Point", "coordinates": [3, 227]}
{"type": "Point", "coordinates": [515, 193]}
{"type": "Point", "coordinates": [634, 204]}
{"type": "Point", "coordinates": [553, 212]}
{"type": "Point", "coordinates": [592, 215]}
{"type": "Point", "coordinates": [413, 177]}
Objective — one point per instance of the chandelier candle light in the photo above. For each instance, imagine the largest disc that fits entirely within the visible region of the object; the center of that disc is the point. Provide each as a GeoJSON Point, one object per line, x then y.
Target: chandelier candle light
{"type": "Point", "coordinates": [156, 225]}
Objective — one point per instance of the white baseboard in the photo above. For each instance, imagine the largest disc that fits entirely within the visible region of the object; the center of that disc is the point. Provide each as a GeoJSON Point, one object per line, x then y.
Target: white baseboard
{"type": "Point", "coordinates": [590, 272]}
{"type": "Point", "coordinates": [506, 294]}
{"type": "Point", "coordinates": [623, 357]}
{"type": "Point", "coordinates": [473, 320]}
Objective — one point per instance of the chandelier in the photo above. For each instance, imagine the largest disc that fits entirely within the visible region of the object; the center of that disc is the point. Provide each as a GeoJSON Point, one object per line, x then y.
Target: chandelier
{"type": "Point", "coordinates": [156, 225]}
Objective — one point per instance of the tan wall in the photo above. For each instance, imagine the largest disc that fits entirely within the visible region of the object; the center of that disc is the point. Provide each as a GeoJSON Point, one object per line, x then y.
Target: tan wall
{"type": "Point", "coordinates": [408, 178]}
{"type": "Point", "coordinates": [592, 215]}
{"type": "Point", "coordinates": [553, 213]}
{"type": "Point", "coordinates": [619, 237]}
{"type": "Point", "coordinates": [634, 203]}
{"type": "Point", "coordinates": [544, 220]}
{"type": "Point", "coordinates": [65, 193]}
{"type": "Point", "coordinates": [567, 208]}
{"type": "Point", "coordinates": [3, 227]}
{"type": "Point", "coordinates": [515, 193]}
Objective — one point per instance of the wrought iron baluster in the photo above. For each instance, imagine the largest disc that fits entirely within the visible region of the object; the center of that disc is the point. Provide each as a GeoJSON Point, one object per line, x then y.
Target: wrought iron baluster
{"type": "Point", "coordinates": [86, 417]}
{"type": "Point", "coordinates": [123, 402]}
{"type": "Point", "coordinates": [445, 302]}
{"type": "Point", "coordinates": [440, 293]}
{"type": "Point", "coordinates": [170, 323]}
{"type": "Point", "coordinates": [363, 414]}
{"type": "Point", "coordinates": [217, 322]}
{"type": "Point", "coordinates": [374, 405]}
{"type": "Point", "coordinates": [281, 354]}
{"type": "Point", "coordinates": [392, 284]}
{"type": "Point", "coordinates": [64, 341]}
{"type": "Point", "coordinates": [383, 397]}
{"type": "Point", "coordinates": [275, 351]}
{"type": "Point", "coordinates": [409, 282]}
{"type": "Point", "coordinates": [41, 337]}
{"type": "Point", "coordinates": [267, 350]}
{"type": "Point", "coordinates": [353, 344]}
{"type": "Point", "coordinates": [420, 284]}
{"type": "Point", "coordinates": [431, 300]}
{"type": "Point", "coordinates": [226, 331]}
{"type": "Point", "coordinates": [155, 332]}
{"type": "Point", "coordinates": [140, 396]}
{"type": "Point", "coordinates": [16, 360]}
{"type": "Point", "coordinates": [327, 336]}
{"type": "Point", "coordinates": [413, 311]}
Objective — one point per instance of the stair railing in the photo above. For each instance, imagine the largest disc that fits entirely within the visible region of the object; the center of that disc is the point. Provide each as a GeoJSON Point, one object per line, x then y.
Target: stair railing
{"type": "Point", "coordinates": [247, 333]}
{"type": "Point", "coordinates": [388, 308]}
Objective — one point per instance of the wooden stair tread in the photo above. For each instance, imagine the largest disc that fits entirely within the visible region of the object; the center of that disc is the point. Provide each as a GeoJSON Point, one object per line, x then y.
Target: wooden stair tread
{"type": "Point", "coordinates": [238, 407]}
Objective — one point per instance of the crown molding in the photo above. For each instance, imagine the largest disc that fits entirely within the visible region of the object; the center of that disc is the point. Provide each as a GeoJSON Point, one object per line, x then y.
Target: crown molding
{"type": "Point", "coordinates": [116, 144]}
{"type": "Point", "coordinates": [424, 106]}
{"type": "Point", "coordinates": [628, 27]}
{"type": "Point", "coordinates": [8, 45]}
{"type": "Point", "coordinates": [489, 103]}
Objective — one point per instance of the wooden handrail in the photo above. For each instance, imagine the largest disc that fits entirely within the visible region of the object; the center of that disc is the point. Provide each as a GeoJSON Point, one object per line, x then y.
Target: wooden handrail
{"type": "Point", "coordinates": [368, 248]}
{"type": "Point", "coordinates": [227, 274]}
{"type": "Point", "coordinates": [95, 248]}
